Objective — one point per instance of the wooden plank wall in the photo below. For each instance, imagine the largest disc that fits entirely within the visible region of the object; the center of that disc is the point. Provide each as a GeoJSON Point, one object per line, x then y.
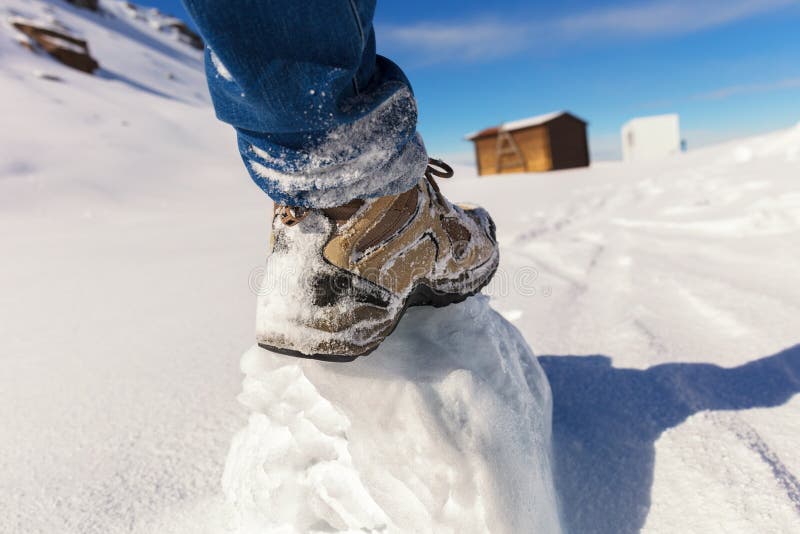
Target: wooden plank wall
{"type": "Point", "coordinates": [533, 142]}
{"type": "Point", "coordinates": [486, 154]}
{"type": "Point", "coordinates": [568, 142]}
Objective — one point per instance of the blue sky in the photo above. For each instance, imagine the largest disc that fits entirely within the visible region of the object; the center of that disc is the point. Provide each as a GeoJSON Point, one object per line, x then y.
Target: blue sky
{"type": "Point", "coordinates": [730, 68]}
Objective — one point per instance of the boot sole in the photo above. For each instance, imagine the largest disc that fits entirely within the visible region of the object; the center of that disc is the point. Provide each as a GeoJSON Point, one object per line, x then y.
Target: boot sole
{"type": "Point", "coordinates": [421, 295]}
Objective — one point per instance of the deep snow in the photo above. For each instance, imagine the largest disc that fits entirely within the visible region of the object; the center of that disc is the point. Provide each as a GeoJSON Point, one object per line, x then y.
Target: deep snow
{"type": "Point", "coordinates": [662, 299]}
{"type": "Point", "coordinates": [428, 434]}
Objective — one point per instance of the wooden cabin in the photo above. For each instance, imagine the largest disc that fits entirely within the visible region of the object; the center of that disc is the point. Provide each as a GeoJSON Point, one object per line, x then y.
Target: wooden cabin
{"type": "Point", "coordinates": [537, 144]}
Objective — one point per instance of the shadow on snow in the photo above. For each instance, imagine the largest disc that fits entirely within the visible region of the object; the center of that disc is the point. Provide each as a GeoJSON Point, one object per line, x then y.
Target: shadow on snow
{"type": "Point", "coordinates": [606, 422]}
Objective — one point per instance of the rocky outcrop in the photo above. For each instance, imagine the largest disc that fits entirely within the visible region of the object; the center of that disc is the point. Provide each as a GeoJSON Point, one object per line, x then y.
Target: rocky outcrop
{"type": "Point", "coordinates": [92, 5]}
{"type": "Point", "coordinates": [65, 48]}
{"type": "Point", "coordinates": [186, 35]}
{"type": "Point", "coordinates": [164, 23]}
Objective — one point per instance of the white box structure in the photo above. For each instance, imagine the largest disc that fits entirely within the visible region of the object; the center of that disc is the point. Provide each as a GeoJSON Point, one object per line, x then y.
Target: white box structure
{"type": "Point", "coordinates": [652, 137]}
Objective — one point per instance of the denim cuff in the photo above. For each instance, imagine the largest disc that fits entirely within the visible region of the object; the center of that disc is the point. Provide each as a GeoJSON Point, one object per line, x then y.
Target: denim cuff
{"type": "Point", "coordinates": [378, 154]}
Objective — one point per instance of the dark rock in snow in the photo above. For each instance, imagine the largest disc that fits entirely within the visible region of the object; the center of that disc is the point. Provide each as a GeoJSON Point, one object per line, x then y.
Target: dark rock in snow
{"type": "Point", "coordinates": [65, 48]}
{"type": "Point", "coordinates": [186, 35]}
{"type": "Point", "coordinates": [48, 76]}
{"type": "Point", "coordinates": [92, 5]}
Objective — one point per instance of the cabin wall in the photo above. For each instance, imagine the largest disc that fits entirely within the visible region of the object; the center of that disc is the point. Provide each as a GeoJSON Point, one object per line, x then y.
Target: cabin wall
{"type": "Point", "coordinates": [561, 143]}
{"type": "Point", "coordinates": [533, 143]}
{"type": "Point", "coordinates": [569, 144]}
{"type": "Point", "coordinates": [486, 154]}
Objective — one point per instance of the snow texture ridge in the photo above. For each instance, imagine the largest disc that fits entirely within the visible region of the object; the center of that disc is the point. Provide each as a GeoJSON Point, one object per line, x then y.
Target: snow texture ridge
{"type": "Point", "coordinates": [444, 428]}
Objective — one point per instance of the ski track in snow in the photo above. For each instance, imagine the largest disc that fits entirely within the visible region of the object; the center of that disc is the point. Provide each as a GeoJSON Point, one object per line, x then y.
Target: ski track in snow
{"type": "Point", "coordinates": [756, 443]}
{"type": "Point", "coordinates": [665, 308]}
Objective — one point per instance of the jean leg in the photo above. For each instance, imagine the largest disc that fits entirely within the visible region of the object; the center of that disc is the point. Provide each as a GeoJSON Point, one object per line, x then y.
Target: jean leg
{"type": "Point", "coordinates": [320, 118]}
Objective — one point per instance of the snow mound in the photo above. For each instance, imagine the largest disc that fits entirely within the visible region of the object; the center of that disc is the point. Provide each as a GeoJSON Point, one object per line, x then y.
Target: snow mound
{"type": "Point", "coordinates": [445, 428]}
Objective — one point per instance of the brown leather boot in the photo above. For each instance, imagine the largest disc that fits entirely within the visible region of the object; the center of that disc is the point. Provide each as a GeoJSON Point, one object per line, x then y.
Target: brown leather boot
{"type": "Point", "coordinates": [339, 279]}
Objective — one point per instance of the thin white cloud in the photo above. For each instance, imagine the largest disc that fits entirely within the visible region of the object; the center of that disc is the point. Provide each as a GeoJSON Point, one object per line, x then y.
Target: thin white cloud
{"type": "Point", "coordinates": [485, 39]}
{"type": "Point", "coordinates": [747, 89]}
{"type": "Point", "coordinates": [666, 17]}
{"type": "Point", "coordinates": [469, 41]}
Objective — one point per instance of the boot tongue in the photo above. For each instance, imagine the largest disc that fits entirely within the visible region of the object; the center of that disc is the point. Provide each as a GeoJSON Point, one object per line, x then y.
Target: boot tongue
{"type": "Point", "coordinates": [291, 215]}
{"type": "Point", "coordinates": [341, 214]}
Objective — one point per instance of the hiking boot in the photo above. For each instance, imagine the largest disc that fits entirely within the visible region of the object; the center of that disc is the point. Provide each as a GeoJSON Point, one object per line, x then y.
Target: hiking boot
{"type": "Point", "coordinates": [339, 279]}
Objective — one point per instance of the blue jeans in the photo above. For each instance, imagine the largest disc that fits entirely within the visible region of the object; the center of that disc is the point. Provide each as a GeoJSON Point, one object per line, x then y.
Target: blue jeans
{"type": "Point", "coordinates": [320, 118]}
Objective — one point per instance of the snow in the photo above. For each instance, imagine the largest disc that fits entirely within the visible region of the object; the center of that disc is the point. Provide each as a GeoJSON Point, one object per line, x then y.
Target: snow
{"type": "Point", "coordinates": [285, 305]}
{"type": "Point", "coordinates": [220, 67]}
{"type": "Point", "coordinates": [431, 441]}
{"type": "Point", "coordinates": [661, 297]}
{"type": "Point", "coordinates": [669, 334]}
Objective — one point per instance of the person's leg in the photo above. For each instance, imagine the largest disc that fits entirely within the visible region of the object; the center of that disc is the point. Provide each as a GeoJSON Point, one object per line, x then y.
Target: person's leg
{"type": "Point", "coordinates": [322, 124]}
{"type": "Point", "coordinates": [321, 119]}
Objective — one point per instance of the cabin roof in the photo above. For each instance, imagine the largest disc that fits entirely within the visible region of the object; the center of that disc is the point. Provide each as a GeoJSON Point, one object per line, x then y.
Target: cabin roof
{"type": "Point", "coordinates": [537, 120]}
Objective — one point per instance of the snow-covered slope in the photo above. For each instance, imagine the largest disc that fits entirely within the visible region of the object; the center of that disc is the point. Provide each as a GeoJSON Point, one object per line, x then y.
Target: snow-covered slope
{"type": "Point", "coordinates": [116, 205]}
{"type": "Point", "coordinates": [137, 129]}
{"type": "Point", "coordinates": [663, 301]}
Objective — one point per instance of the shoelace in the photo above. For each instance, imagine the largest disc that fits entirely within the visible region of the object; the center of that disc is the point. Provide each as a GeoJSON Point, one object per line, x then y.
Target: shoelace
{"type": "Point", "coordinates": [291, 215]}
{"type": "Point", "coordinates": [437, 167]}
